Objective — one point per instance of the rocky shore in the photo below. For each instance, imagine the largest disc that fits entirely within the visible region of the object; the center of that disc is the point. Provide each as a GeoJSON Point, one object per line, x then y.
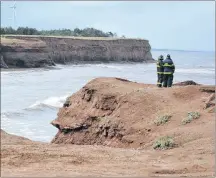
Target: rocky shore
{"type": "Point", "coordinates": [41, 51]}
{"type": "Point", "coordinates": [113, 127]}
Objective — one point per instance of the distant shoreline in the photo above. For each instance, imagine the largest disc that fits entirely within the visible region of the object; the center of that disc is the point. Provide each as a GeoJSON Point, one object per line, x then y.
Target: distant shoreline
{"type": "Point", "coordinates": [180, 50]}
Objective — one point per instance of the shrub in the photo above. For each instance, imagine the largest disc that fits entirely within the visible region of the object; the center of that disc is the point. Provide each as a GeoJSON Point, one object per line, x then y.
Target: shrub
{"type": "Point", "coordinates": [164, 143]}
{"type": "Point", "coordinates": [191, 116]}
{"type": "Point", "coordinates": [162, 120]}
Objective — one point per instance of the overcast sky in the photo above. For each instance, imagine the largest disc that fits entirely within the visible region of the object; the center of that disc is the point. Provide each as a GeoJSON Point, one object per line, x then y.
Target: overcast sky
{"type": "Point", "coordinates": [167, 25]}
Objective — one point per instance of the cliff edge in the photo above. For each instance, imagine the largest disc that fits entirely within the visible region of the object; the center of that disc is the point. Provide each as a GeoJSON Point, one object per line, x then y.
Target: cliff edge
{"type": "Point", "coordinates": [119, 113]}
{"type": "Point", "coordinates": [41, 51]}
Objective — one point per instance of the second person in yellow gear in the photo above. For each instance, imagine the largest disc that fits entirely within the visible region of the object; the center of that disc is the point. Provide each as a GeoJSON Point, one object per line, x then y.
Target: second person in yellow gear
{"type": "Point", "coordinates": [160, 70]}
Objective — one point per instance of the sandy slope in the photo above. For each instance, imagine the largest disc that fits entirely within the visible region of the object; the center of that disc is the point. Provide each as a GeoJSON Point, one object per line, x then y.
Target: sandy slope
{"type": "Point", "coordinates": [37, 159]}
{"type": "Point", "coordinates": [193, 155]}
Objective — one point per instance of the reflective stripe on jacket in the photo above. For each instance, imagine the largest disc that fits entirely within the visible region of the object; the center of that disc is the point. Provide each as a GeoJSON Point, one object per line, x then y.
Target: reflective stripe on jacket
{"type": "Point", "coordinates": [169, 67]}
{"type": "Point", "coordinates": [160, 67]}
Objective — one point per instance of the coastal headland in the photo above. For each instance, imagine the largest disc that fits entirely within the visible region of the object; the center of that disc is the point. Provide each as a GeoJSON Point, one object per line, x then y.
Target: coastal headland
{"type": "Point", "coordinates": [116, 127]}
{"type": "Point", "coordinates": [23, 51]}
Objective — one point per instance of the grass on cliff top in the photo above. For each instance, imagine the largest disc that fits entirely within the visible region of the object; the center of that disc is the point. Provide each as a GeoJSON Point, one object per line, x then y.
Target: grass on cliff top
{"type": "Point", "coordinates": [190, 117]}
{"type": "Point", "coordinates": [72, 37]}
{"type": "Point", "coordinates": [22, 42]}
{"type": "Point", "coordinates": [10, 40]}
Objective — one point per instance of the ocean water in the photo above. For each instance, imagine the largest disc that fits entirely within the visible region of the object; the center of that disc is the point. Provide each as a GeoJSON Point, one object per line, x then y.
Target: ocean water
{"type": "Point", "coordinates": [30, 98]}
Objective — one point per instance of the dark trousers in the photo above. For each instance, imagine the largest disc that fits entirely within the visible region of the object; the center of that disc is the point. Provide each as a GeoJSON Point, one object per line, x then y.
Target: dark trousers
{"type": "Point", "coordinates": [167, 80]}
{"type": "Point", "coordinates": [160, 80]}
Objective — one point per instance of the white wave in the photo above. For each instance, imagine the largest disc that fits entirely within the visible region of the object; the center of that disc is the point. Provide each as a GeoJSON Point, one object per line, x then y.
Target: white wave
{"type": "Point", "coordinates": [4, 73]}
{"type": "Point", "coordinates": [3, 117]}
{"type": "Point", "coordinates": [56, 67]}
{"type": "Point", "coordinates": [11, 114]}
{"type": "Point", "coordinates": [108, 66]}
{"type": "Point", "coordinates": [196, 71]}
{"type": "Point", "coordinates": [51, 102]}
{"type": "Point", "coordinates": [99, 65]}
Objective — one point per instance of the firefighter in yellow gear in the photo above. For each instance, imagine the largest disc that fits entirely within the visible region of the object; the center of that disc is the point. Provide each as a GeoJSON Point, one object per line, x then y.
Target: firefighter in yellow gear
{"type": "Point", "coordinates": [160, 70]}
{"type": "Point", "coordinates": [169, 69]}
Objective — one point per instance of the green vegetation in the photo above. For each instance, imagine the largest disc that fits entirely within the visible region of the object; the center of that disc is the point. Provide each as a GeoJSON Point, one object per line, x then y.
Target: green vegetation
{"type": "Point", "coordinates": [86, 32]}
{"type": "Point", "coordinates": [191, 116]}
{"type": "Point", "coordinates": [164, 143]}
{"type": "Point", "coordinates": [98, 119]}
{"type": "Point", "coordinates": [162, 120]}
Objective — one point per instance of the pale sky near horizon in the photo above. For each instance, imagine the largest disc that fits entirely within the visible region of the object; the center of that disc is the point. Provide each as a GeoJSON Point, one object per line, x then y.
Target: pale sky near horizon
{"type": "Point", "coordinates": [184, 25]}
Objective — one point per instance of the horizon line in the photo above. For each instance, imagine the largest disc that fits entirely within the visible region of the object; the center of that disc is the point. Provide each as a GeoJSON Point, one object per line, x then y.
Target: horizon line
{"type": "Point", "coordinates": [186, 50]}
